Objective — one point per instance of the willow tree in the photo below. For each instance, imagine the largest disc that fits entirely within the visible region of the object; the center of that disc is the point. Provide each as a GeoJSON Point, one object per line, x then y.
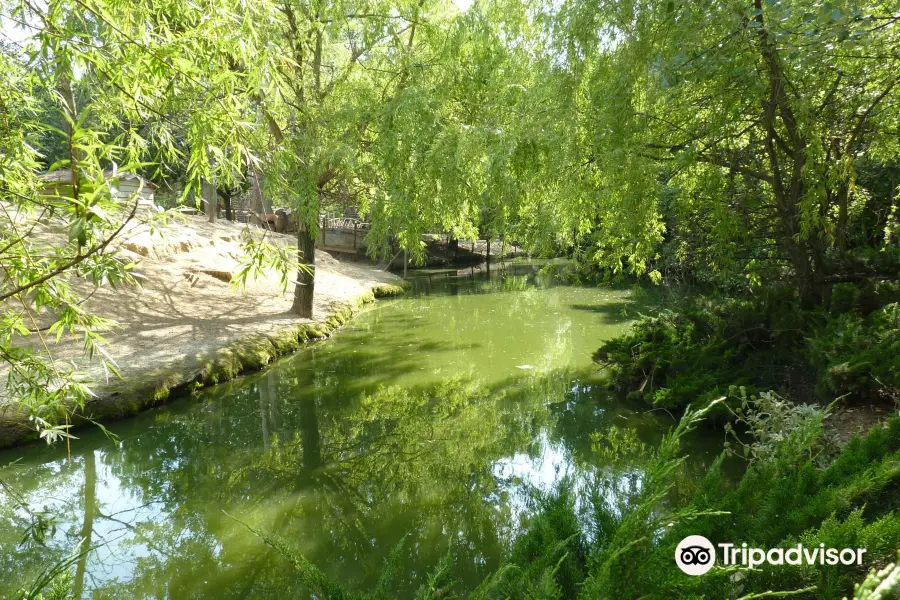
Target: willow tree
{"type": "Point", "coordinates": [474, 138]}
{"type": "Point", "coordinates": [331, 65]}
{"type": "Point", "coordinates": [303, 93]}
{"type": "Point", "coordinates": [748, 116]}
{"type": "Point", "coordinates": [133, 84]}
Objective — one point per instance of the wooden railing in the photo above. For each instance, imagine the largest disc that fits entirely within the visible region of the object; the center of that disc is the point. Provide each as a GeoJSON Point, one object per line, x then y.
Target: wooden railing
{"type": "Point", "coordinates": [348, 223]}
{"type": "Point", "coordinates": [342, 234]}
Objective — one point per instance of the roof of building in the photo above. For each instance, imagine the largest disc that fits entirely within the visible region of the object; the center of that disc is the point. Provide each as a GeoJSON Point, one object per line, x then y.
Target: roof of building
{"type": "Point", "coordinates": [65, 176]}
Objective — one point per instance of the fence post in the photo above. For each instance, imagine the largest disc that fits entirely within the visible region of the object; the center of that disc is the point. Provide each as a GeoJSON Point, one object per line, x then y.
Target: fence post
{"type": "Point", "coordinates": [208, 192]}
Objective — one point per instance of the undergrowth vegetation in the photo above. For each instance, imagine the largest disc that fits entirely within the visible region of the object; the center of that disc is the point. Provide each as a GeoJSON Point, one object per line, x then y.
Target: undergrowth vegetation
{"type": "Point", "coordinates": [698, 350]}
{"type": "Point", "coordinates": [858, 354]}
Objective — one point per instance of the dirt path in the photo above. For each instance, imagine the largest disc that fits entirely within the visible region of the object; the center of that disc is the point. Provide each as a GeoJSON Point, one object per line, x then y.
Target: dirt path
{"type": "Point", "coordinates": [185, 326]}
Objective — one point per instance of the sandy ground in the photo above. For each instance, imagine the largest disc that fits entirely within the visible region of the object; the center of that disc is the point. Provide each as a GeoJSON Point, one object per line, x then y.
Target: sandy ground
{"type": "Point", "coordinates": [184, 309]}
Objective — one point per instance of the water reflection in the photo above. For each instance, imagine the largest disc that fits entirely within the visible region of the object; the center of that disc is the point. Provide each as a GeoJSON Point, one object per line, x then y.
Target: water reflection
{"type": "Point", "coordinates": [413, 425]}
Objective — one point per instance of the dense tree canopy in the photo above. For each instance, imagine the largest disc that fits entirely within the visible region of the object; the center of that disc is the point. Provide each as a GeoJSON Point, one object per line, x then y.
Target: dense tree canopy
{"type": "Point", "coordinates": [738, 127]}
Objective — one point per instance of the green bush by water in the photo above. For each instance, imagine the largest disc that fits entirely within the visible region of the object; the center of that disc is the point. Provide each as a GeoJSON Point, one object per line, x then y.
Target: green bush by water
{"type": "Point", "coordinates": [698, 350]}
{"type": "Point", "coordinates": [858, 355]}
{"type": "Point", "coordinates": [695, 353]}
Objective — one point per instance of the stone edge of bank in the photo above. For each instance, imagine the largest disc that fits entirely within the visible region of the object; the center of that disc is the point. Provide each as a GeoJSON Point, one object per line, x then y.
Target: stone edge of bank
{"type": "Point", "coordinates": [125, 399]}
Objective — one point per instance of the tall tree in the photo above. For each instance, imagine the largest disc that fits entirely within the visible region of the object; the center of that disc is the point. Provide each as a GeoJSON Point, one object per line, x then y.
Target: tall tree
{"type": "Point", "coordinates": [474, 135]}
{"type": "Point", "coordinates": [753, 114]}
{"type": "Point", "coordinates": [317, 101]}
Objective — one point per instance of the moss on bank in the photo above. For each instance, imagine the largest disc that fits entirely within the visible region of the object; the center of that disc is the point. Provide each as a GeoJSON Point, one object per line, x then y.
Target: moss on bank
{"type": "Point", "coordinates": [387, 290]}
{"type": "Point", "coordinates": [127, 398]}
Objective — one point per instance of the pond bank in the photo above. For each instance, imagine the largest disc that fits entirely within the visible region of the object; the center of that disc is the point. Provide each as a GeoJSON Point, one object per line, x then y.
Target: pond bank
{"type": "Point", "coordinates": [185, 327]}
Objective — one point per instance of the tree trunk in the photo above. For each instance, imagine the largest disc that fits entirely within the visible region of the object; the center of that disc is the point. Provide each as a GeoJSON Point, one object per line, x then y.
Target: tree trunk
{"type": "Point", "coordinates": [229, 211]}
{"type": "Point", "coordinates": [804, 255]}
{"type": "Point", "coordinates": [305, 287]}
{"type": "Point", "coordinates": [807, 283]}
{"type": "Point", "coordinates": [788, 187]}
{"type": "Point", "coordinates": [841, 233]}
{"type": "Point", "coordinates": [226, 201]}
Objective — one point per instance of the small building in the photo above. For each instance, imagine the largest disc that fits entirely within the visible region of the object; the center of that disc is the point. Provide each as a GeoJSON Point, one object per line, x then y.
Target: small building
{"type": "Point", "coordinates": [124, 186]}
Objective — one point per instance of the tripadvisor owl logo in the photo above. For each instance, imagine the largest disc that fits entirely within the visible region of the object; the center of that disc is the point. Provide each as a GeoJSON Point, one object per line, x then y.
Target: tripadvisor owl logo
{"type": "Point", "coordinates": [695, 555]}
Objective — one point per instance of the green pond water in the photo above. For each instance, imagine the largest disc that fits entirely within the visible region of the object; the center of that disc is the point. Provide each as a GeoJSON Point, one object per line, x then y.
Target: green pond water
{"type": "Point", "coordinates": [428, 420]}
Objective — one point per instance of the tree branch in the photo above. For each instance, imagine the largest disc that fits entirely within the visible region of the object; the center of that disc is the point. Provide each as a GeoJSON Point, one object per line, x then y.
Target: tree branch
{"type": "Point", "coordinates": [79, 258]}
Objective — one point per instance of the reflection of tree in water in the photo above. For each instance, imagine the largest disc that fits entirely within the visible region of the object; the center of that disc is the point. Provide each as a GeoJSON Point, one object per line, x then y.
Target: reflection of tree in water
{"type": "Point", "coordinates": [343, 479]}
{"type": "Point", "coordinates": [20, 554]}
{"type": "Point", "coordinates": [87, 525]}
{"type": "Point", "coordinates": [392, 463]}
{"type": "Point", "coordinates": [405, 463]}
{"type": "Point", "coordinates": [67, 492]}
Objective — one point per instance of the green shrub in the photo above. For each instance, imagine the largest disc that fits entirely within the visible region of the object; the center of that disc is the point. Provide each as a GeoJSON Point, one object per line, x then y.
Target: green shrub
{"type": "Point", "coordinates": [696, 353]}
{"type": "Point", "coordinates": [859, 355]}
{"type": "Point", "coordinates": [548, 560]}
{"type": "Point", "coordinates": [862, 299]}
{"type": "Point", "coordinates": [785, 497]}
{"type": "Point", "coordinates": [779, 430]}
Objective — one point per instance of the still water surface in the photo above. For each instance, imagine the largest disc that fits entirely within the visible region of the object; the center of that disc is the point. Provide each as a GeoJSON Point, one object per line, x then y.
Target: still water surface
{"type": "Point", "coordinates": [426, 421]}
